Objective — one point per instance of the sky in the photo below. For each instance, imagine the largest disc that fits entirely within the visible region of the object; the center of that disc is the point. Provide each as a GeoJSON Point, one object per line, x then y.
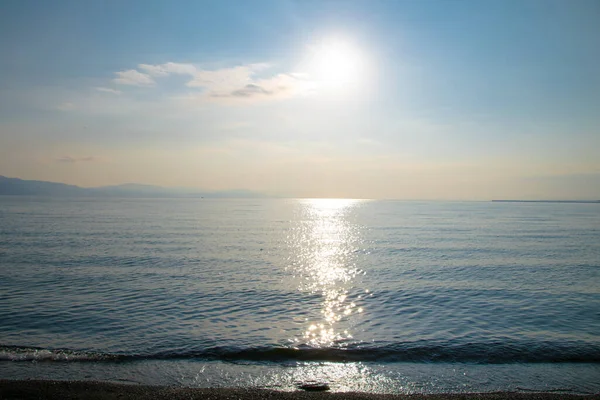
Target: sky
{"type": "Point", "coordinates": [440, 100]}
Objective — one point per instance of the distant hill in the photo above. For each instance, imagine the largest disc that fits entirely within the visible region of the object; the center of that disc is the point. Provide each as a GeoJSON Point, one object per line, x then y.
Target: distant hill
{"type": "Point", "coordinates": [546, 201]}
{"type": "Point", "coordinates": [21, 187]}
{"type": "Point", "coordinates": [14, 186]}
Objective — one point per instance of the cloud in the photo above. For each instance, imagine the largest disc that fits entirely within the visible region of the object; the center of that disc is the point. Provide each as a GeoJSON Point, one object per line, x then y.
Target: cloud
{"type": "Point", "coordinates": [250, 90]}
{"type": "Point", "coordinates": [168, 68]}
{"type": "Point", "coordinates": [277, 87]}
{"type": "Point", "coordinates": [234, 126]}
{"type": "Point", "coordinates": [67, 106]}
{"type": "Point", "coordinates": [300, 75]}
{"type": "Point", "coordinates": [134, 78]}
{"type": "Point", "coordinates": [71, 159]}
{"type": "Point", "coordinates": [239, 83]}
{"type": "Point", "coordinates": [223, 80]}
{"type": "Point", "coordinates": [108, 90]}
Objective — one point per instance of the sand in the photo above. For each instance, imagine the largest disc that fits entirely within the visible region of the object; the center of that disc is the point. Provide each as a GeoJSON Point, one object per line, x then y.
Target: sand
{"type": "Point", "coordinates": [30, 389]}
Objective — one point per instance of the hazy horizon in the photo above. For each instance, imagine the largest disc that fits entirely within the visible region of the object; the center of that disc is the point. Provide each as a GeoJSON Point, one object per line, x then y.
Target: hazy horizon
{"type": "Point", "coordinates": [342, 99]}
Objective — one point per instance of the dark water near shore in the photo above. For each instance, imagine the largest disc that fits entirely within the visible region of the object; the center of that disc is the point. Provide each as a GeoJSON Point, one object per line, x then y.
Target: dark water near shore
{"type": "Point", "coordinates": [368, 295]}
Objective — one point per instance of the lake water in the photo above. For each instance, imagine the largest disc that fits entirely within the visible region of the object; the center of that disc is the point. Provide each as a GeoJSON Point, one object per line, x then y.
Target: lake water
{"type": "Point", "coordinates": [378, 296]}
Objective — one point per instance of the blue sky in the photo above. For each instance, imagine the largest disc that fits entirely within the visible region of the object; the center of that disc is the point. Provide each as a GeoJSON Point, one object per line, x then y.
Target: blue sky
{"type": "Point", "coordinates": [372, 99]}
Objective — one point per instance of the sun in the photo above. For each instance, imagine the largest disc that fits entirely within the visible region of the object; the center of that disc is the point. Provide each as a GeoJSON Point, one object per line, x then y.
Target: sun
{"type": "Point", "coordinates": [335, 62]}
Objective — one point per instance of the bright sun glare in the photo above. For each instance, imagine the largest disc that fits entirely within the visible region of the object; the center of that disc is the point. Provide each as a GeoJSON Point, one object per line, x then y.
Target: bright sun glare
{"type": "Point", "coordinates": [335, 62]}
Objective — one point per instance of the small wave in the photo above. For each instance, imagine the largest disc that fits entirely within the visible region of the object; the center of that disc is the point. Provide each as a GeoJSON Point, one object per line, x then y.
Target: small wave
{"type": "Point", "coordinates": [16, 353]}
{"type": "Point", "coordinates": [482, 353]}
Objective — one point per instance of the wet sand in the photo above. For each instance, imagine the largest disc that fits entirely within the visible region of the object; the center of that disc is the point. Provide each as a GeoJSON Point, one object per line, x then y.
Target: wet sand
{"type": "Point", "coordinates": [31, 389]}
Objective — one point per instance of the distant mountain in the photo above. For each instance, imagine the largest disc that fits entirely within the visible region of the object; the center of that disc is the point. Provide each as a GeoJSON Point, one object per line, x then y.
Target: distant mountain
{"type": "Point", "coordinates": [21, 187]}
{"type": "Point", "coordinates": [546, 201]}
{"type": "Point", "coordinates": [129, 189]}
{"type": "Point", "coordinates": [14, 186]}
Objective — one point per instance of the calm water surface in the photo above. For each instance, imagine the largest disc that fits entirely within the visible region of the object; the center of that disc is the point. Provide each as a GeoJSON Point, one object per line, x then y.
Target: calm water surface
{"type": "Point", "coordinates": [377, 296]}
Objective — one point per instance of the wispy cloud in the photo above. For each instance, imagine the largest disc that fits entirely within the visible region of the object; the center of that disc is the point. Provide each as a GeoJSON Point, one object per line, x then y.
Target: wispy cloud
{"type": "Point", "coordinates": [133, 77]}
{"type": "Point", "coordinates": [71, 159]}
{"type": "Point", "coordinates": [108, 90]}
{"type": "Point", "coordinates": [226, 79]}
{"type": "Point", "coordinates": [234, 126]}
{"type": "Point", "coordinates": [234, 84]}
{"type": "Point", "coordinates": [277, 87]}
{"type": "Point", "coordinates": [251, 90]}
{"type": "Point", "coordinates": [168, 68]}
{"type": "Point", "coordinates": [67, 106]}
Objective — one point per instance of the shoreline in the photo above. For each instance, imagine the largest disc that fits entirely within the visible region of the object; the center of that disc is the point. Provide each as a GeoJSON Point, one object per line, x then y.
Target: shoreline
{"type": "Point", "coordinates": [49, 389]}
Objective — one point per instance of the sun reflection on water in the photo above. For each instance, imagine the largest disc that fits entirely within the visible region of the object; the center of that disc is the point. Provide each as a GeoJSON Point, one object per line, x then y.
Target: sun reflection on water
{"type": "Point", "coordinates": [324, 247]}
